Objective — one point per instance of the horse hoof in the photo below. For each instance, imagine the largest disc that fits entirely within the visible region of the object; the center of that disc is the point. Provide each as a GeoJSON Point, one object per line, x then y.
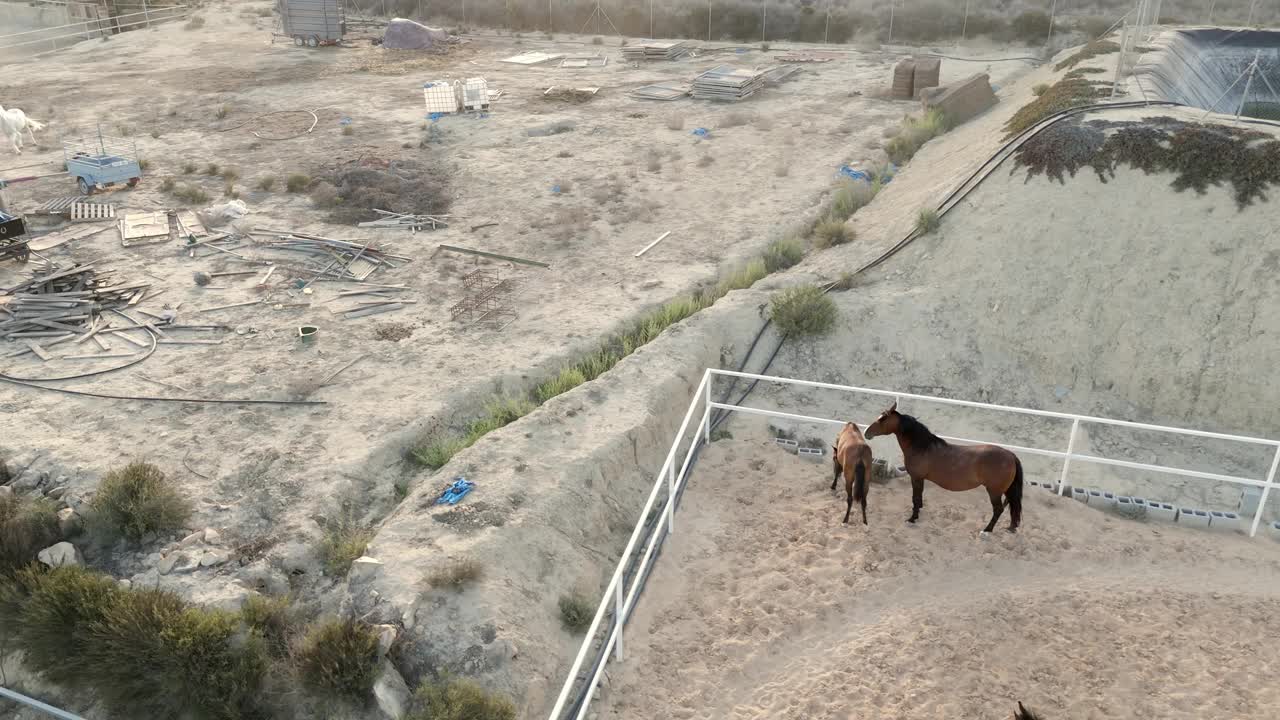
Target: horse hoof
{"type": "Point", "coordinates": [984, 535]}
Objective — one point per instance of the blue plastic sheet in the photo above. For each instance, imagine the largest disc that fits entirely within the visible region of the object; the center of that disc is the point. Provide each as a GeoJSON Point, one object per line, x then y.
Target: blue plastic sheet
{"type": "Point", "coordinates": [455, 492]}
{"type": "Point", "coordinates": [701, 132]}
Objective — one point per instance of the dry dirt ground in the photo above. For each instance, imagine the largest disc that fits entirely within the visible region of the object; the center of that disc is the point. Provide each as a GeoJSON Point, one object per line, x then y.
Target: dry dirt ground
{"type": "Point", "coordinates": [765, 606]}
{"type": "Point", "coordinates": [262, 472]}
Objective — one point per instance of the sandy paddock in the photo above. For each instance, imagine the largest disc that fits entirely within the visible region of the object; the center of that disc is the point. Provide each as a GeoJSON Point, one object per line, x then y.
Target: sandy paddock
{"type": "Point", "coordinates": [765, 606]}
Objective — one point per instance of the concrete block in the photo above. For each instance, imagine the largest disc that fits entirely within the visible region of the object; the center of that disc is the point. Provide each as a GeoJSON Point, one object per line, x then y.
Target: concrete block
{"type": "Point", "coordinates": [927, 72]}
{"type": "Point", "coordinates": [1249, 499]}
{"type": "Point", "coordinates": [1080, 494]}
{"type": "Point", "coordinates": [788, 445]}
{"type": "Point", "coordinates": [1224, 521]}
{"type": "Point", "coordinates": [1108, 500]}
{"type": "Point", "coordinates": [1193, 518]}
{"type": "Point", "coordinates": [1157, 510]}
{"type": "Point", "coordinates": [1126, 507]}
{"type": "Point", "coordinates": [961, 101]}
{"type": "Point", "coordinates": [809, 453]}
{"type": "Point", "coordinates": [1095, 498]}
{"type": "Point", "coordinates": [904, 79]}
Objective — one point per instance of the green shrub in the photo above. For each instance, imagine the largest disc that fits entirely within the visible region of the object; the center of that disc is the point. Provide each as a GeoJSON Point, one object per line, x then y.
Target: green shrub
{"type": "Point", "coordinates": [26, 528]}
{"type": "Point", "coordinates": [152, 655]}
{"type": "Point", "coordinates": [1062, 95]}
{"type": "Point", "coordinates": [297, 182]}
{"type": "Point", "coordinates": [340, 657]}
{"type": "Point", "coordinates": [343, 542]}
{"type": "Point", "coordinates": [274, 619]}
{"type": "Point", "coordinates": [1040, 89]}
{"type": "Point", "coordinates": [58, 610]}
{"type": "Point", "coordinates": [1031, 26]}
{"type": "Point", "coordinates": [188, 168]}
{"type": "Point", "coordinates": [266, 182]}
{"type": "Point", "coordinates": [783, 254]}
{"type": "Point", "coordinates": [230, 174]}
{"type": "Point", "coordinates": [138, 499]}
{"type": "Point", "coordinates": [742, 277]}
{"type": "Point", "coordinates": [191, 195]}
{"type": "Point", "coordinates": [212, 169]}
{"type": "Point", "coordinates": [802, 311]}
{"type": "Point", "coordinates": [576, 612]}
{"type": "Point", "coordinates": [564, 381]}
{"type": "Point", "coordinates": [914, 134]}
{"type": "Point", "coordinates": [456, 574]}
{"type": "Point", "coordinates": [851, 196]}
{"type": "Point", "coordinates": [167, 184]}
{"type": "Point", "coordinates": [434, 450]}
{"type": "Point", "coordinates": [1090, 50]}
{"type": "Point", "coordinates": [459, 699]}
{"type": "Point", "coordinates": [831, 232]}
{"type": "Point", "coordinates": [927, 221]}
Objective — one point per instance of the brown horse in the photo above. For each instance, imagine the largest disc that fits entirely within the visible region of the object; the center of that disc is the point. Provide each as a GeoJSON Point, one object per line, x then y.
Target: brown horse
{"type": "Point", "coordinates": [954, 467]}
{"type": "Point", "coordinates": [1024, 714]}
{"type": "Point", "coordinates": [852, 455]}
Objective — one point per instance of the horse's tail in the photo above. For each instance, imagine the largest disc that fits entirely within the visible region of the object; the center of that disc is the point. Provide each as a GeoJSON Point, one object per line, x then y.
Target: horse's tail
{"type": "Point", "coordinates": [1013, 496]}
{"type": "Point", "coordinates": [860, 487]}
{"type": "Point", "coordinates": [1024, 714]}
{"type": "Point", "coordinates": [35, 124]}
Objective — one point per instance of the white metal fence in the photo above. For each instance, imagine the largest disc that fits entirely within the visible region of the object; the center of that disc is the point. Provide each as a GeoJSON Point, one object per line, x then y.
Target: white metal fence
{"type": "Point", "coordinates": [72, 32]}
{"type": "Point", "coordinates": [621, 600]}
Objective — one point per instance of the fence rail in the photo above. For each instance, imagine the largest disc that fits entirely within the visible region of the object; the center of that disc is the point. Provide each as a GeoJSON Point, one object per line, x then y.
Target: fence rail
{"type": "Point", "coordinates": [622, 604]}
{"type": "Point", "coordinates": [94, 27]}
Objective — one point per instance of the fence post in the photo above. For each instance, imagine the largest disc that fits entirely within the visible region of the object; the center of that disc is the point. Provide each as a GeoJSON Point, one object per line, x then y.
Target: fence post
{"type": "Point", "coordinates": [1262, 501]}
{"type": "Point", "coordinates": [1066, 462]}
{"type": "Point", "coordinates": [1053, 10]}
{"type": "Point", "coordinates": [708, 20]}
{"type": "Point", "coordinates": [146, 14]}
{"type": "Point", "coordinates": [617, 614]}
{"type": "Point", "coordinates": [890, 40]}
{"type": "Point", "coordinates": [706, 414]}
{"type": "Point", "coordinates": [826, 31]}
{"type": "Point", "coordinates": [671, 497]}
{"type": "Point", "coordinates": [964, 25]}
{"type": "Point", "coordinates": [764, 21]}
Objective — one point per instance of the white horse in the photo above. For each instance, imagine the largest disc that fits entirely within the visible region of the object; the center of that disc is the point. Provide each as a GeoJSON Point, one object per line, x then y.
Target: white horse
{"type": "Point", "coordinates": [12, 122]}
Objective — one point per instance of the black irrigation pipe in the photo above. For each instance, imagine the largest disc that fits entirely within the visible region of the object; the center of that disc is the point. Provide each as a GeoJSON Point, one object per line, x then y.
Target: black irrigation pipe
{"type": "Point", "coordinates": [952, 199]}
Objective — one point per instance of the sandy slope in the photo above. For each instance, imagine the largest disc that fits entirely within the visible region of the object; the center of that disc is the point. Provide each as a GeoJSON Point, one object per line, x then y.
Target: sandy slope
{"type": "Point", "coordinates": [764, 606]}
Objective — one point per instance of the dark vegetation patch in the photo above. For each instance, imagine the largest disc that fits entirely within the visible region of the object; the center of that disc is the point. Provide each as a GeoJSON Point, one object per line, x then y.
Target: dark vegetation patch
{"type": "Point", "coordinates": [26, 528]}
{"type": "Point", "coordinates": [1092, 50]}
{"type": "Point", "coordinates": [1063, 95]}
{"type": "Point", "coordinates": [1198, 155]}
{"type": "Point", "coordinates": [412, 186]}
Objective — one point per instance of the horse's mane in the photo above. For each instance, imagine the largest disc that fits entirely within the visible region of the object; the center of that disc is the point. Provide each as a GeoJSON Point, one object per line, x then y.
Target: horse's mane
{"type": "Point", "coordinates": [918, 436]}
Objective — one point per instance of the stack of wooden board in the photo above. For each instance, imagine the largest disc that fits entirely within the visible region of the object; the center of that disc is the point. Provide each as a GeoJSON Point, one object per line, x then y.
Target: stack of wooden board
{"type": "Point", "coordinates": [727, 83]}
{"type": "Point", "coordinates": [655, 50]}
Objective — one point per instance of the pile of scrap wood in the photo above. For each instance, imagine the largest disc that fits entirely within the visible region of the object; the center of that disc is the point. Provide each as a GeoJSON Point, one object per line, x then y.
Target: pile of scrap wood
{"type": "Point", "coordinates": [335, 259]}
{"type": "Point", "coordinates": [407, 221]}
{"type": "Point", "coordinates": [56, 306]}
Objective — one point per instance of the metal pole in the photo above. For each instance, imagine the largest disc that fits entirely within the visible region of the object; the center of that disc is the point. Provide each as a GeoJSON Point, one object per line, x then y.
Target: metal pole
{"type": "Point", "coordinates": [671, 498]}
{"type": "Point", "coordinates": [1066, 462]}
{"type": "Point", "coordinates": [1244, 97]}
{"type": "Point", "coordinates": [1252, 6]}
{"type": "Point", "coordinates": [708, 20]}
{"type": "Point", "coordinates": [550, 27]}
{"type": "Point", "coordinates": [146, 14]}
{"type": "Point", "coordinates": [764, 21]}
{"type": "Point", "coordinates": [651, 18]}
{"type": "Point", "coordinates": [890, 40]}
{"type": "Point", "coordinates": [706, 416]}
{"type": "Point", "coordinates": [617, 614]}
{"type": "Point", "coordinates": [826, 31]}
{"type": "Point", "coordinates": [1211, 4]}
{"type": "Point", "coordinates": [1262, 501]}
{"type": "Point", "coordinates": [1053, 9]}
{"type": "Point", "coordinates": [964, 26]}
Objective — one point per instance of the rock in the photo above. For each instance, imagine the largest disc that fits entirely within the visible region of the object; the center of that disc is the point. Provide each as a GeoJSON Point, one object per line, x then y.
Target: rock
{"type": "Point", "coordinates": [149, 538]}
{"type": "Point", "coordinates": [64, 553]}
{"type": "Point", "coordinates": [125, 584]}
{"type": "Point", "coordinates": [211, 536]}
{"type": "Point", "coordinates": [148, 579]}
{"type": "Point", "coordinates": [194, 538]}
{"type": "Point", "coordinates": [56, 493]}
{"type": "Point", "coordinates": [386, 636]}
{"type": "Point", "coordinates": [264, 579]}
{"type": "Point", "coordinates": [297, 558]}
{"type": "Point", "coordinates": [365, 568]}
{"type": "Point", "coordinates": [391, 692]}
{"type": "Point", "coordinates": [6, 491]}
{"type": "Point", "coordinates": [214, 557]}
{"type": "Point", "coordinates": [68, 522]}
{"type": "Point", "coordinates": [650, 284]}
{"type": "Point", "coordinates": [499, 652]}
{"type": "Point", "coordinates": [177, 562]}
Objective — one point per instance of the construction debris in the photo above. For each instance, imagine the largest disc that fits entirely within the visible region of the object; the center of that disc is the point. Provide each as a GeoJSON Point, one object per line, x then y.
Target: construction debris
{"type": "Point", "coordinates": [487, 297]}
{"type": "Point", "coordinates": [727, 83]}
{"type": "Point", "coordinates": [568, 94]}
{"type": "Point", "coordinates": [495, 256]}
{"type": "Point", "coordinates": [582, 61]}
{"type": "Point", "coordinates": [405, 221]}
{"type": "Point", "coordinates": [62, 304]}
{"type": "Point", "coordinates": [960, 101]}
{"type": "Point", "coordinates": [655, 50]}
{"type": "Point", "coordinates": [347, 260]}
{"type": "Point", "coordinates": [531, 57]}
{"type": "Point", "coordinates": [660, 92]}
{"type": "Point", "coordinates": [147, 228]}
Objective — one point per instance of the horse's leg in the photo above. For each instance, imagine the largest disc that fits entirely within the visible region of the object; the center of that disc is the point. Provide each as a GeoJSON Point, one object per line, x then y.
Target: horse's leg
{"type": "Point", "coordinates": [917, 497]}
{"type": "Point", "coordinates": [848, 491]}
{"type": "Point", "coordinates": [997, 507]}
{"type": "Point", "coordinates": [836, 462]}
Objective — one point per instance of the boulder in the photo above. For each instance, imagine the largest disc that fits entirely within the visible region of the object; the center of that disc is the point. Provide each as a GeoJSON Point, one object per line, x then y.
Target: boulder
{"type": "Point", "coordinates": [194, 538]}
{"type": "Point", "coordinates": [6, 491]}
{"type": "Point", "coordinates": [365, 568]}
{"type": "Point", "coordinates": [64, 553]}
{"type": "Point", "coordinates": [214, 557]}
{"type": "Point", "coordinates": [178, 562]}
{"type": "Point", "coordinates": [391, 692]}
{"type": "Point", "coordinates": [386, 637]}
{"type": "Point", "coordinates": [211, 536]}
{"type": "Point", "coordinates": [961, 101]}
{"type": "Point", "coordinates": [297, 558]}
{"type": "Point", "coordinates": [69, 522]}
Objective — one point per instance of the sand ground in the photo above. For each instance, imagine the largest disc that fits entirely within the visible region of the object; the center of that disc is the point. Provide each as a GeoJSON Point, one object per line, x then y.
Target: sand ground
{"type": "Point", "coordinates": [765, 606]}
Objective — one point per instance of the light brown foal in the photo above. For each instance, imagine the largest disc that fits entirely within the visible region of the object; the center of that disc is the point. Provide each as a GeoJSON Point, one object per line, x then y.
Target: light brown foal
{"type": "Point", "coordinates": [954, 467]}
{"type": "Point", "coordinates": [852, 455]}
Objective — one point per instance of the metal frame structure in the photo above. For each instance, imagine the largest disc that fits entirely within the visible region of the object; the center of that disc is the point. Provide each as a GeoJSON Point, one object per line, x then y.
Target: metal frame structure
{"type": "Point", "coordinates": [622, 600]}
{"type": "Point", "coordinates": [90, 28]}
{"type": "Point", "coordinates": [488, 297]}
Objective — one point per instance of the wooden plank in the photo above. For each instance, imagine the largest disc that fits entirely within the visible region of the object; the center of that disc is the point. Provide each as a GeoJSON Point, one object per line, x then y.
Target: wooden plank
{"type": "Point", "coordinates": [373, 310]}
{"type": "Point", "coordinates": [232, 305]}
{"type": "Point", "coordinates": [646, 248]}
{"type": "Point", "coordinates": [121, 333]}
{"type": "Point", "coordinates": [41, 352]}
{"type": "Point", "coordinates": [54, 239]}
{"type": "Point", "coordinates": [100, 356]}
{"type": "Point", "coordinates": [167, 341]}
{"type": "Point", "coordinates": [496, 256]}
